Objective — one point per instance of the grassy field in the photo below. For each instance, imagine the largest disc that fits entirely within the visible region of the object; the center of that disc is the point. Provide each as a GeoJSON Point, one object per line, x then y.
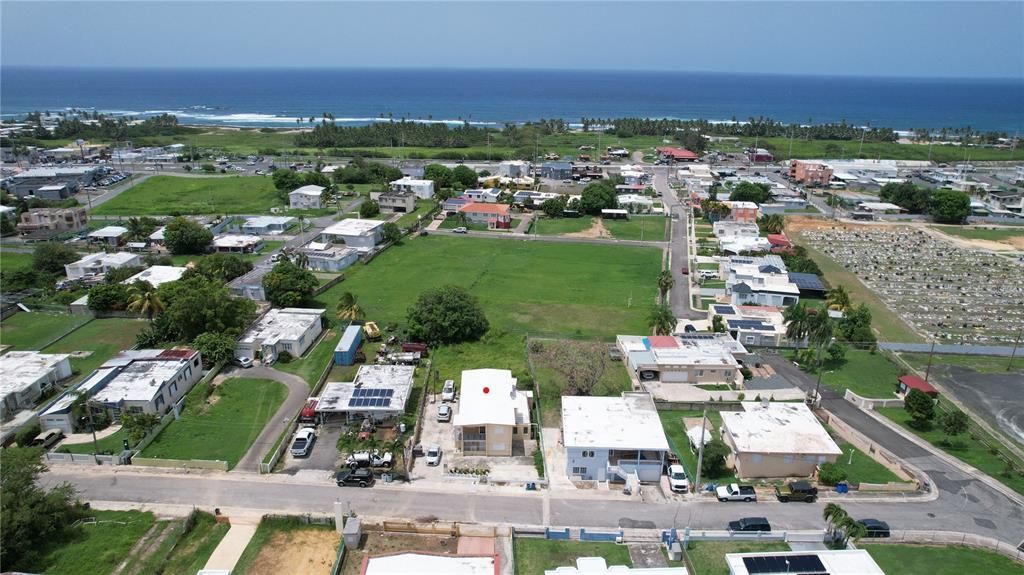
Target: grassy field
{"type": "Point", "coordinates": [452, 223]}
{"type": "Point", "coordinates": [850, 149]}
{"type": "Point", "coordinates": [32, 331]}
{"type": "Point", "coordinates": [551, 382]}
{"type": "Point", "coordinates": [101, 547]}
{"type": "Point", "coordinates": [867, 374]}
{"type": "Point", "coordinates": [164, 195]}
{"type": "Point", "coordinates": [860, 468]}
{"type": "Point", "coordinates": [887, 324]}
{"type": "Point", "coordinates": [193, 549]}
{"type": "Point", "coordinates": [422, 207]}
{"type": "Point", "coordinates": [979, 363]}
{"type": "Point", "coordinates": [990, 234]}
{"type": "Point", "coordinates": [222, 427]}
{"type": "Point", "coordinates": [559, 226]}
{"type": "Point", "coordinates": [672, 423]}
{"type": "Point", "coordinates": [579, 290]}
{"type": "Point", "coordinates": [708, 557]}
{"type": "Point", "coordinates": [312, 365]}
{"type": "Point", "coordinates": [10, 261]}
{"type": "Point", "coordinates": [648, 228]}
{"type": "Point", "coordinates": [534, 556]}
{"type": "Point", "coordinates": [966, 448]}
{"type": "Point", "coordinates": [103, 337]}
{"type": "Point", "coordinates": [947, 560]}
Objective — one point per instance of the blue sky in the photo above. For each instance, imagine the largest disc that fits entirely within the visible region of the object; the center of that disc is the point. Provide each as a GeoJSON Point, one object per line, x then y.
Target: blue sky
{"type": "Point", "coordinates": [908, 38]}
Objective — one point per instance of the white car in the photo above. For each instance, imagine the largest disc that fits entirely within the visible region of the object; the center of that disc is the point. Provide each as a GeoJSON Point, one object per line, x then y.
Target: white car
{"type": "Point", "coordinates": [444, 412]}
{"type": "Point", "coordinates": [448, 391]}
{"type": "Point", "coordinates": [460, 230]}
{"type": "Point", "coordinates": [303, 444]}
{"type": "Point", "coordinates": [677, 480]}
{"type": "Point", "coordinates": [433, 455]}
{"type": "Point", "coordinates": [244, 362]}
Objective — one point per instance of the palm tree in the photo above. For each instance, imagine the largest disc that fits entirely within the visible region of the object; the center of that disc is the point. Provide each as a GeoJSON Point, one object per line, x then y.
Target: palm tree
{"type": "Point", "coordinates": [145, 300]}
{"type": "Point", "coordinates": [348, 307]}
{"type": "Point", "coordinates": [773, 223]}
{"type": "Point", "coordinates": [661, 320]}
{"type": "Point", "coordinates": [302, 260]}
{"type": "Point", "coordinates": [819, 329]}
{"type": "Point", "coordinates": [838, 298]}
{"type": "Point", "coordinates": [665, 283]}
{"type": "Point", "coordinates": [136, 229]}
{"type": "Point", "coordinates": [796, 323]}
{"type": "Point", "coordinates": [851, 529]}
{"type": "Point", "coordinates": [833, 515]}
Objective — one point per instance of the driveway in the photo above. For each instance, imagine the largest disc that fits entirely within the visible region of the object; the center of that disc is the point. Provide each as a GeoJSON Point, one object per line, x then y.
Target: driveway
{"type": "Point", "coordinates": [298, 392]}
{"type": "Point", "coordinates": [323, 457]}
{"type": "Point", "coordinates": [436, 432]}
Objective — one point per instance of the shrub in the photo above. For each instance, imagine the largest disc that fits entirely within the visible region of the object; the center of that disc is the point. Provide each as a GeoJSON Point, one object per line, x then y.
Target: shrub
{"type": "Point", "coordinates": [26, 434]}
{"type": "Point", "coordinates": [747, 374]}
{"type": "Point", "coordinates": [285, 357]}
{"type": "Point", "coordinates": [831, 474]}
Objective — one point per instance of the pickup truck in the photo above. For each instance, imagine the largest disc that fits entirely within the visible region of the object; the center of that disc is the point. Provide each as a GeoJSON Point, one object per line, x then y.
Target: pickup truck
{"type": "Point", "coordinates": [797, 490]}
{"type": "Point", "coordinates": [369, 459]}
{"type": "Point", "coordinates": [734, 492]}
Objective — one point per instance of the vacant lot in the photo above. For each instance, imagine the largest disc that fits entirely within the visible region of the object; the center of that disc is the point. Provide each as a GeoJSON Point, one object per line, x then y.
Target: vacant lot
{"type": "Point", "coordinates": [708, 557]}
{"type": "Point", "coordinates": [376, 544]}
{"type": "Point", "coordinates": [647, 228]}
{"type": "Point", "coordinates": [573, 289]}
{"type": "Point", "coordinates": [978, 363]}
{"type": "Point", "coordinates": [223, 425]}
{"type": "Point", "coordinates": [559, 226]}
{"type": "Point", "coordinates": [535, 556]}
{"type": "Point", "coordinates": [32, 331]}
{"type": "Point", "coordinates": [950, 560]}
{"type": "Point", "coordinates": [312, 365]}
{"type": "Point", "coordinates": [288, 546]}
{"type": "Point", "coordinates": [165, 195]}
{"type": "Point", "coordinates": [553, 360]}
{"type": "Point", "coordinates": [10, 261]}
{"type": "Point", "coordinates": [105, 543]}
{"type": "Point", "coordinates": [103, 338]}
{"type": "Point", "coordinates": [866, 374]}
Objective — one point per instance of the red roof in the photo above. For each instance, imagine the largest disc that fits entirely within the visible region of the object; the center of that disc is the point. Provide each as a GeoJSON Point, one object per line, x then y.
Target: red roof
{"type": "Point", "coordinates": [914, 382]}
{"type": "Point", "coordinates": [482, 208]}
{"type": "Point", "coordinates": [662, 341]}
{"type": "Point", "coordinates": [677, 153]}
{"type": "Point", "coordinates": [779, 240]}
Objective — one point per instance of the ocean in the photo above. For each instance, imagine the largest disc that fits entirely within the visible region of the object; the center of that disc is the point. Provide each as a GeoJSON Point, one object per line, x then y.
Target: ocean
{"type": "Point", "coordinates": [277, 98]}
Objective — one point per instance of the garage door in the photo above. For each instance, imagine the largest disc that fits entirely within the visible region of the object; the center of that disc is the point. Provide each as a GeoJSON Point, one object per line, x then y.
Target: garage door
{"type": "Point", "coordinates": [675, 376]}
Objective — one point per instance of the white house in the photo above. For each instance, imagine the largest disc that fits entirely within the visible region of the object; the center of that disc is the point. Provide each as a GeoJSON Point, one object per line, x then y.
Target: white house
{"type": "Point", "coordinates": [328, 257]}
{"type": "Point", "coordinates": [286, 329]}
{"type": "Point", "coordinates": [158, 275]}
{"type": "Point", "coordinates": [765, 284]}
{"type": "Point", "coordinates": [751, 325]}
{"type": "Point", "coordinates": [306, 198]}
{"type": "Point", "coordinates": [137, 381]}
{"type": "Point", "coordinates": [611, 438]}
{"type": "Point", "coordinates": [424, 189]}
{"type": "Point", "coordinates": [356, 233]}
{"type": "Point", "coordinates": [250, 285]}
{"type": "Point", "coordinates": [683, 358]}
{"type": "Point", "coordinates": [26, 375]}
{"type": "Point", "coordinates": [493, 415]}
{"type": "Point", "coordinates": [237, 243]}
{"type": "Point", "coordinates": [484, 195]}
{"type": "Point", "coordinates": [636, 203]}
{"type": "Point", "coordinates": [266, 225]}
{"type": "Point", "coordinates": [598, 566]}
{"type": "Point", "coordinates": [432, 564]}
{"type": "Point", "coordinates": [831, 561]}
{"type": "Point", "coordinates": [729, 229]}
{"type": "Point", "coordinates": [378, 392]}
{"type": "Point", "coordinates": [777, 439]}
{"type": "Point", "coordinates": [514, 169]}
{"type": "Point", "coordinates": [110, 235]}
{"type": "Point", "coordinates": [100, 263]}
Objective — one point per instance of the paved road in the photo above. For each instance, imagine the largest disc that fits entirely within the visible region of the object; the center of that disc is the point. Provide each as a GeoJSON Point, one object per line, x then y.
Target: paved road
{"type": "Point", "coordinates": [298, 391]}
{"type": "Point", "coordinates": [679, 297]}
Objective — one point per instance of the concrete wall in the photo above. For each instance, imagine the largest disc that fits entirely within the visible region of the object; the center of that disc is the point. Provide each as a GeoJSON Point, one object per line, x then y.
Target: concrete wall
{"type": "Point", "coordinates": [749, 465]}
{"type": "Point", "coordinates": [596, 466]}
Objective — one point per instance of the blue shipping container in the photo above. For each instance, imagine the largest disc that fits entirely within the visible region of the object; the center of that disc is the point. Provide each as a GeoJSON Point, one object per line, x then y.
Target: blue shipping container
{"type": "Point", "coordinates": [345, 353]}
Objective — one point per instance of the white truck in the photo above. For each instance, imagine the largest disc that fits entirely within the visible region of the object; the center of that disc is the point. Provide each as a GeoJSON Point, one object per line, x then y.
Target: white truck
{"type": "Point", "coordinates": [735, 492]}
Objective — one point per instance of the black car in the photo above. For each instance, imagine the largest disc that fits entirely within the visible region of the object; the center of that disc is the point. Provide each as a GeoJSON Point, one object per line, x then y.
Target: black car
{"type": "Point", "coordinates": [361, 477]}
{"type": "Point", "coordinates": [875, 529]}
{"type": "Point", "coordinates": [750, 524]}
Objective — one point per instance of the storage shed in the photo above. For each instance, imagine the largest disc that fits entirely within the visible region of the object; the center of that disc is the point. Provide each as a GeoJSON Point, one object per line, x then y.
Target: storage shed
{"type": "Point", "coordinates": [345, 353]}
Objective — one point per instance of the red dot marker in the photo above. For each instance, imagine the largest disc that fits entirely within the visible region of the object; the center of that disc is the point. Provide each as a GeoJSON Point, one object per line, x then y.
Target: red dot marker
{"type": "Point", "coordinates": [487, 390]}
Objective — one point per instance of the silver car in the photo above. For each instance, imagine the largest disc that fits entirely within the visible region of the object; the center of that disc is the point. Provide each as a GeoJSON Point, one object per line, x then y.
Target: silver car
{"type": "Point", "coordinates": [433, 455]}
{"type": "Point", "coordinates": [444, 412]}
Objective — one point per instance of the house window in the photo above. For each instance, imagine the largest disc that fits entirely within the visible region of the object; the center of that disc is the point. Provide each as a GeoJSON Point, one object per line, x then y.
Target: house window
{"type": "Point", "coordinates": [195, 362]}
{"type": "Point", "coordinates": [515, 431]}
{"type": "Point", "coordinates": [588, 454]}
{"type": "Point", "coordinates": [134, 409]}
{"type": "Point", "coordinates": [482, 430]}
{"type": "Point", "coordinates": [750, 339]}
{"type": "Point", "coordinates": [174, 388]}
{"type": "Point", "coordinates": [579, 470]}
{"type": "Point", "coordinates": [700, 373]}
{"type": "Point", "coordinates": [159, 401]}
{"type": "Point", "coordinates": [756, 458]}
{"type": "Point", "coordinates": [727, 373]}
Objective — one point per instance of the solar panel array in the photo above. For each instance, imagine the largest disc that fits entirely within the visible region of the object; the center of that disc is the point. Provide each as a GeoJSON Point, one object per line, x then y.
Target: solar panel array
{"type": "Point", "coordinates": [796, 564]}
{"type": "Point", "coordinates": [372, 392]}
{"type": "Point", "coordinates": [724, 310]}
{"type": "Point", "coordinates": [806, 281]}
{"type": "Point", "coordinates": [750, 324]}
{"type": "Point", "coordinates": [369, 402]}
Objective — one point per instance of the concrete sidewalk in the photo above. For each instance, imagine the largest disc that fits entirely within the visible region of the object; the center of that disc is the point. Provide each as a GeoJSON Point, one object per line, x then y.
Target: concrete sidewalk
{"type": "Point", "coordinates": [233, 544]}
{"type": "Point", "coordinates": [78, 438]}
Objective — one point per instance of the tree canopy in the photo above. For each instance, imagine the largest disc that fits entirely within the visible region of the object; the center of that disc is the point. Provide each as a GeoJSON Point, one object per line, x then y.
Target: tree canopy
{"type": "Point", "coordinates": [51, 256]}
{"type": "Point", "coordinates": [369, 209]}
{"type": "Point", "coordinates": [288, 285]}
{"type": "Point", "coordinates": [448, 314]}
{"type": "Point", "coordinates": [950, 206]}
{"type": "Point", "coordinates": [906, 195]}
{"type": "Point", "coordinates": [184, 236]}
{"type": "Point", "coordinates": [216, 347]}
{"type": "Point", "coordinates": [463, 176]}
{"type": "Point", "coordinates": [439, 174]}
{"type": "Point", "coordinates": [751, 192]}
{"type": "Point", "coordinates": [196, 305]}
{"type": "Point", "coordinates": [598, 196]}
{"type": "Point", "coordinates": [219, 267]}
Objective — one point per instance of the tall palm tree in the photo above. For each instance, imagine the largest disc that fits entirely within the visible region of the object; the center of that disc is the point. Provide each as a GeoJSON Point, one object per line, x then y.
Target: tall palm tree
{"type": "Point", "coordinates": [301, 260]}
{"type": "Point", "coordinates": [833, 514]}
{"type": "Point", "coordinates": [819, 328]}
{"type": "Point", "coordinates": [851, 529]}
{"type": "Point", "coordinates": [665, 283]}
{"type": "Point", "coordinates": [145, 300]}
{"type": "Point", "coordinates": [773, 223]}
{"type": "Point", "coordinates": [661, 320]}
{"type": "Point", "coordinates": [796, 323]}
{"type": "Point", "coordinates": [348, 307]}
{"type": "Point", "coordinates": [135, 229]}
{"type": "Point", "coordinates": [838, 298]}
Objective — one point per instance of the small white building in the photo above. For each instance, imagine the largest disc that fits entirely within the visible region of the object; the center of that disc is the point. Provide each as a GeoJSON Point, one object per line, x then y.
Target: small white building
{"type": "Point", "coordinates": [762, 282]}
{"type": "Point", "coordinates": [400, 202]}
{"type": "Point", "coordinates": [739, 245]}
{"type": "Point", "coordinates": [26, 375]}
{"type": "Point", "coordinates": [306, 198]}
{"type": "Point", "coordinates": [158, 275]}
{"type": "Point", "coordinates": [729, 229]}
{"type": "Point", "coordinates": [288, 329]}
{"type": "Point", "coordinates": [378, 392]}
{"type": "Point", "coordinates": [431, 564]}
{"type": "Point", "coordinates": [267, 225]}
{"type": "Point", "coordinates": [328, 257]}
{"type": "Point", "coordinates": [237, 244]}
{"type": "Point", "coordinates": [696, 359]}
{"type": "Point", "coordinates": [424, 189]}
{"type": "Point", "coordinates": [100, 263]}
{"type": "Point", "coordinates": [598, 566]}
{"type": "Point", "coordinates": [514, 169]}
{"type": "Point", "coordinates": [611, 438]}
{"type": "Point", "coordinates": [493, 415]}
{"type": "Point", "coordinates": [636, 203]}
{"type": "Point", "coordinates": [356, 233]}
{"type": "Point", "coordinates": [761, 326]}
{"type": "Point", "coordinates": [110, 235]}
{"type": "Point", "coordinates": [777, 439]}
{"type": "Point", "coordinates": [833, 562]}
{"type": "Point", "coordinates": [483, 195]}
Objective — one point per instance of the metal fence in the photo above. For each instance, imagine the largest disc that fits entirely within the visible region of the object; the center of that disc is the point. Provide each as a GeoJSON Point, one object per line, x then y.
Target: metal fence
{"type": "Point", "coordinates": [952, 538]}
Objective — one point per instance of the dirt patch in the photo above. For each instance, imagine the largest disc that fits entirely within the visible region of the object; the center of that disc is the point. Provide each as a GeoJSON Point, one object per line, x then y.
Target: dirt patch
{"type": "Point", "coordinates": [299, 552]}
{"type": "Point", "coordinates": [596, 230]}
{"type": "Point", "coordinates": [374, 544]}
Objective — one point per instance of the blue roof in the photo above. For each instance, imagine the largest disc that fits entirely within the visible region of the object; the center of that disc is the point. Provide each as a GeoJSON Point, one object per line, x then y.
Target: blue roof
{"type": "Point", "coordinates": [806, 281]}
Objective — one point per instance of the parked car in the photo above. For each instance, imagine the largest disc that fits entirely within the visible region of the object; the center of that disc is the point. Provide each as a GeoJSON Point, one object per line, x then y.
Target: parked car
{"type": "Point", "coordinates": [689, 328]}
{"type": "Point", "coordinates": [460, 230]}
{"type": "Point", "coordinates": [361, 477]}
{"type": "Point", "coordinates": [798, 490]}
{"type": "Point", "coordinates": [677, 480]}
{"type": "Point", "coordinates": [308, 413]}
{"type": "Point", "coordinates": [243, 362]}
{"type": "Point", "coordinates": [369, 459]}
{"type": "Point", "coordinates": [685, 271]}
{"type": "Point", "coordinates": [444, 412]}
{"type": "Point", "coordinates": [303, 443]}
{"type": "Point", "coordinates": [448, 391]}
{"type": "Point", "coordinates": [433, 455]}
{"type": "Point", "coordinates": [735, 492]}
{"type": "Point", "coordinates": [875, 529]}
{"type": "Point", "coordinates": [750, 524]}
{"type": "Point", "coordinates": [47, 438]}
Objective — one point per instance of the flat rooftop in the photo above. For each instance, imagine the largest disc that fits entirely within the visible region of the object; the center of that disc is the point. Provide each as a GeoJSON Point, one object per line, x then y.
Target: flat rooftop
{"type": "Point", "coordinates": [381, 388]}
{"type": "Point", "coordinates": [157, 275]}
{"type": "Point", "coordinates": [501, 404]}
{"type": "Point", "coordinates": [683, 349]}
{"type": "Point", "coordinates": [282, 324]}
{"type": "Point", "coordinates": [309, 190]}
{"type": "Point", "coordinates": [627, 422]}
{"type": "Point", "coordinates": [236, 241]}
{"type": "Point", "coordinates": [21, 369]}
{"type": "Point", "coordinates": [781, 427]}
{"type": "Point", "coordinates": [266, 221]}
{"type": "Point", "coordinates": [109, 232]}
{"type": "Point", "coordinates": [833, 562]}
{"type": "Point", "coordinates": [428, 564]}
{"type": "Point", "coordinates": [54, 172]}
{"type": "Point", "coordinates": [352, 227]}
{"type": "Point", "coordinates": [141, 374]}
{"type": "Point", "coordinates": [104, 259]}
{"type": "Point", "coordinates": [327, 251]}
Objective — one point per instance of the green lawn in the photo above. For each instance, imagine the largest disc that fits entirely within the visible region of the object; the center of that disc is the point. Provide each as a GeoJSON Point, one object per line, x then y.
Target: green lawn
{"type": "Point", "coordinates": [672, 423]}
{"type": "Point", "coordinates": [979, 363]}
{"type": "Point", "coordinates": [887, 324]}
{"type": "Point", "coordinates": [557, 226]}
{"type": "Point", "coordinates": [976, 233]}
{"type": "Point", "coordinates": [708, 266]}
{"type": "Point", "coordinates": [223, 427]}
{"type": "Point", "coordinates": [535, 556]}
{"type": "Point", "coordinates": [31, 331]}
{"type": "Point", "coordinates": [581, 290]}
{"type": "Point", "coordinates": [10, 261]}
{"type": "Point", "coordinates": [966, 448]}
{"type": "Point", "coordinates": [103, 337]}
{"type": "Point", "coordinates": [101, 547]}
{"type": "Point", "coordinates": [194, 548]}
{"type": "Point", "coordinates": [945, 560]}
{"type": "Point", "coordinates": [860, 468]}
{"type": "Point", "coordinates": [451, 223]}
{"type": "Point", "coordinates": [551, 382]}
{"type": "Point", "coordinates": [779, 145]}
{"type": "Point", "coordinates": [648, 228]}
{"type": "Point", "coordinates": [264, 533]}
{"type": "Point", "coordinates": [422, 207]}
{"type": "Point", "coordinates": [163, 195]}
{"type": "Point", "coordinates": [312, 365]}
{"type": "Point", "coordinates": [111, 444]}
{"type": "Point", "coordinates": [868, 374]}
{"type": "Point", "coordinates": [708, 557]}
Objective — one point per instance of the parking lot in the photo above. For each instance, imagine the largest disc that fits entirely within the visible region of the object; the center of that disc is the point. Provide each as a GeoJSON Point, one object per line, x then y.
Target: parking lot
{"type": "Point", "coordinates": [323, 457]}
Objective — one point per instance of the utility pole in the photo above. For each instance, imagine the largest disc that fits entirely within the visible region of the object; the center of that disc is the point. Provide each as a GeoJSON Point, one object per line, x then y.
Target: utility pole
{"type": "Point", "coordinates": [931, 353]}
{"type": "Point", "coordinates": [700, 452]}
{"type": "Point", "coordinates": [1013, 354]}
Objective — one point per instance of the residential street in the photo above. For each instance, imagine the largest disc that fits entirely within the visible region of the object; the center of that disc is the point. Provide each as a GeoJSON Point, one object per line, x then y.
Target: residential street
{"type": "Point", "coordinates": [679, 297]}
